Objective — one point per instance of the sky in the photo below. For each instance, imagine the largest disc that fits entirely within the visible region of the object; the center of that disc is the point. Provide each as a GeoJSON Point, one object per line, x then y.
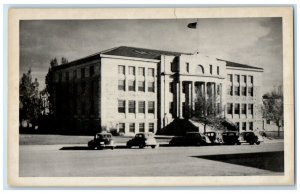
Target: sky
{"type": "Point", "coordinates": [252, 41]}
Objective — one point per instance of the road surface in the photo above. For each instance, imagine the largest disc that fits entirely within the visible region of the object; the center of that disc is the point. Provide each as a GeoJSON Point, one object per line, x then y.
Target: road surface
{"type": "Point", "coordinates": [76, 160]}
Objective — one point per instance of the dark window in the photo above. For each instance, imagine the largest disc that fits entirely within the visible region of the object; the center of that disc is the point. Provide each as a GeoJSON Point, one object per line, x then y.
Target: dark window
{"type": "Point", "coordinates": [132, 127]}
{"type": "Point", "coordinates": [218, 70]}
{"type": "Point", "coordinates": [141, 106]}
{"type": "Point", "coordinates": [251, 126]}
{"type": "Point", "coordinates": [210, 69]}
{"type": "Point", "coordinates": [141, 71]}
{"type": "Point", "coordinates": [236, 108]}
{"type": "Point", "coordinates": [244, 78]}
{"type": "Point", "coordinates": [121, 85]}
{"type": "Point", "coordinates": [131, 70]}
{"type": "Point", "coordinates": [200, 69]}
{"type": "Point", "coordinates": [83, 86]}
{"type": "Point", "coordinates": [82, 73]}
{"type": "Point", "coordinates": [82, 109]}
{"type": "Point", "coordinates": [237, 78]}
{"type": "Point", "coordinates": [171, 107]}
{"type": "Point", "coordinates": [131, 106]}
{"type": "Point", "coordinates": [75, 74]}
{"type": "Point", "coordinates": [60, 77]}
{"type": "Point", "coordinates": [250, 91]}
{"type": "Point", "coordinates": [244, 126]}
{"type": "Point", "coordinates": [244, 108]}
{"type": "Point", "coordinates": [229, 90]}
{"type": "Point", "coordinates": [151, 72]}
{"type": "Point", "coordinates": [251, 79]}
{"type": "Point", "coordinates": [121, 127]}
{"type": "Point", "coordinates": [151, 108]}
{"type": "Point", "coordinates": [121, 69]}
{"type": "Point", "coordinates": [187, 67]}
{"type": "Point", "coordinates": [268, 121]}
{"type": "Point", "coordinates": [150, 86]}
{"type": "Point", "coordinates": [131, 85]}
{"type": "Point", "coordinates": [171, 87]}
{"type": "Point", "coordinates": [237, 124]}
{"type": "Point", "coordinates": [151, 127]}
{"type": "Point", "coordinates": [250, 109]}
{"type": "Point", "coordinates": [236, 90]}
{"type": "Point", "coordinates": [244, 91]}
{"type": "Point", "coordinates": [141, 86]}
{"type": "Point", "coordinates": [92, 107]}
{"type": "Point", "coordinates": [121, 106]}
{"type": "Point", "coordinates": [218, 89]}
{"type": "Point", "coordinates": [92, 71]}
{"type": "Point", "coordinates": [67, 76]}
{"type": "Point", "coordinates": [142, 127]}
{"type": "Point", "coordinates": [229, 77]}
{"type": "Point", "coordinates": [229, 108]}
{"type": "Point", "coordinates": [173, 67]}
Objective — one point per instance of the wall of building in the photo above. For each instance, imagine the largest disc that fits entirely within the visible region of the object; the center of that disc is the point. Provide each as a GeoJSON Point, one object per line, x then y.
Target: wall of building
{"type": "Point", "coordinates": [111, 118]}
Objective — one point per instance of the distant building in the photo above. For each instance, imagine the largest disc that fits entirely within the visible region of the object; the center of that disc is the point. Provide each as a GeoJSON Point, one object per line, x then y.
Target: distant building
{"type": "Point", "coordinates": [139, 90]}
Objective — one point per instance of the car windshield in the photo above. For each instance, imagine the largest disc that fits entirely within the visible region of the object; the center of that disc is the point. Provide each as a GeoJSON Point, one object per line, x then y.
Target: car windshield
{"type": "Point", "coordinates": [139, 135]}
{"type": "Point", "coordinates": [103, 136]}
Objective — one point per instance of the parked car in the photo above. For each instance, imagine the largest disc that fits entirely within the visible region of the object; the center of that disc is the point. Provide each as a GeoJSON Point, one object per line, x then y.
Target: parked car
{"type": "Point", "coordinates": [249, 137]}
{"type": "Point", "coordinates": [214, 137]}
{"type": "Point", "coordinates": [190, 138]}
{"type": "Point", "coordinates": [143, 140]}
{"type": "Point", "coordinates": [101, 141]}
{"type": "Point", "coordinates": [231, 138]}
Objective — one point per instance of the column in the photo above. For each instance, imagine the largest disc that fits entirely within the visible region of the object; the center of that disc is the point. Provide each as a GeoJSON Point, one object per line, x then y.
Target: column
{"type": "Point", "coordinates": [180, 99]}
{"type": "Point", "coordinates": [177, 99]}
{"type": "Point", "coordinates": [193, 95]}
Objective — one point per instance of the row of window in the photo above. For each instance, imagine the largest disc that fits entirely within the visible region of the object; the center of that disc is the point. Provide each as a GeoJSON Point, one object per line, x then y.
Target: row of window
{"type": "Point", "coordinates": [141, 127]}
{"type": "Point", "coordinates": [237, 78]}
{"type": "Point", "coordinates": [239, 91]}
{"type": "Point", "coordinates": [239, 108]}
{"type": "Point", "coordinates": [199, 68]}
{"type": "Point", "coordinates": [75, 76]}
{"type": "Point", "coordinates": [131, 70]}
{"type": "Point", "coordinates": [244, 126]}
{"type": "Point", "coordinates": [132, 83]}
{"type": "Point", "coordinates": [132, 106]}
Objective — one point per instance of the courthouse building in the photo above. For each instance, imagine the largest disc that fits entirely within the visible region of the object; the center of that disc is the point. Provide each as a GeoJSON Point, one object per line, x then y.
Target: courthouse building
{"type": "Point", "coordinates": [135, 90]}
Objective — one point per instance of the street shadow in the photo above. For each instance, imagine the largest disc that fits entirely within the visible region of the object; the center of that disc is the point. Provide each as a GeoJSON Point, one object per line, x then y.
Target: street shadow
{"type": "Point", "coordinates": [87, 148]}
{"type": "Point", "coordinates": [273, 161]}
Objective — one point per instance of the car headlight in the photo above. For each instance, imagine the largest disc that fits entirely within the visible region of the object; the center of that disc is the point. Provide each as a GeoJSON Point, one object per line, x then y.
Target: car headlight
{"type": "Point", "coordinates": [101, 143]}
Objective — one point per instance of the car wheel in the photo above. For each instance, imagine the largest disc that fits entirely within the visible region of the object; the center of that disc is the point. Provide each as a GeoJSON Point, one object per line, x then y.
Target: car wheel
{"type": "Point", "coordinates": [153, 146]}
{"type": "Point", "coordinates": [238, 143]}
{"type": "Point", "coordinates": [141, 146]}
{"type": "Point", "coordinates": [258, 142]}
{"type": "Point", "coordinates": [112, 147]}
{"type": "Point", "coordinates": [251, 142]}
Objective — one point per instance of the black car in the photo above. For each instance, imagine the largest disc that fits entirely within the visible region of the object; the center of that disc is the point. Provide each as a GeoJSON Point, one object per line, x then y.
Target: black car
{"type": "Point", "coordinates": [231, 138]}
{"type": "Point", "coordinates": [142, 140]}
{"type": "Point", "coordinates": [249, 137]}
{"type": "Point", "coordinates": [190, 139]}
{"type": "Point", "coordinates": [214, 137]}
{"type": "Point", "coordinates": [101, 140]}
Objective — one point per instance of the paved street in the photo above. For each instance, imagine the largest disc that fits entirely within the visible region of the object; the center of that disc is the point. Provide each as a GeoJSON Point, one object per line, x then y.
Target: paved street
{"type": "Point", "coordinates": [76, 160]}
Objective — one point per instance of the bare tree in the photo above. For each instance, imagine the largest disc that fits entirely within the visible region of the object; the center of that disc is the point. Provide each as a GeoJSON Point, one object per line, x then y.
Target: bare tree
{"type": "Point", "coordinates": [273, 107]}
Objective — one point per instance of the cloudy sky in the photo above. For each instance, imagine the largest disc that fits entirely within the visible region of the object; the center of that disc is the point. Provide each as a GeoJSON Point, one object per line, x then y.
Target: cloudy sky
{"type": "Point", "coordinates": [253, 41]}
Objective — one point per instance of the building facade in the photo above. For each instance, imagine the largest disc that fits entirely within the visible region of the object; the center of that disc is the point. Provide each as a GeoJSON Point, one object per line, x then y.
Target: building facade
{"type": "Point", "coordinates": [134, 90]}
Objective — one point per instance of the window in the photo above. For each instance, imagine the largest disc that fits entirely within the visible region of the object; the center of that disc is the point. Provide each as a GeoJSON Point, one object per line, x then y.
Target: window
{"type": "Point", "coordinates": [187, 67]}
{"type": "Point", "coordinates": [244, 78]}
{"type": "Point", "coordinates": [173, 67]}
{"type": "Point", "coordinates": [200, 69]}
{"type": "Point", "coordinates": [83, 86]}
{"type": "Point", "coordinates": [121, 106]}
{"type": "Point", "coordinates": [244, 91]}
{"type": "Point", "coordinates": [237, 78]}
{"type": "Point", "coordinates": [229, 77]}
{"type": "Point", "coordinates": [131, 70]}
{"type": "Point", "coordinates": [131, 106]}
{"type": "Point", "coordinates": [141, 86]}
{"type": "Point", "coordinates": [141, 106]}
{"type": "Point", "coordinates": [82, 73]}
{"type": "Point", "coordinates": [92, 71]}
{"type": "Point", "coordinates": [141, 71]}
{"type": "Point", "coordinates": [92, 107]}
{"type": "Point", "coordinates": [171, 87]}
{"type": "Point", "coordinates": [151, 107]}
{"type": "Point", "coordinates": [60, 77]}
{"type": "Point", "coordinates": [150, 86]}
{"type": "Point", "coordinates": [151, 72]}
{"type": "Point", "coordinates": [236, 90]}
{"type": "Point", "coordinates": [244, 126]}
{"type": "Point", "coordinates": [237, 124]}
{"type": "Point", "coordinates": [121, 127]}
{"type": "Point", "coordinates": [132, 127]}
{"type": "Point", "coordinates": [142, 127]}
{"type": "Point", "coordinates": [218, 70]}
{"type": "Point", "coordinates": [121, 85]}
{"type": "Point", "coordinates": [75, 74]}
{"type": "Point", "coordinates": [250, 91]}
{"type": "Point", "coordinates": [121, 69]}
{"type": "Point", "coordinates": [250, 109]}
{"type": "Point", "coordinates": [251, 126]}
{"type": "Point", "coordinates": [229, 90]}
{"type": "Point", "coordinates": [131, 85]}
{"type": "Point", "coordinates": [171, 107]}
{"type": "Point", "coordinates": [210, 69]}
{"type": "Point", "coordinates": [82, 108]}
{"type": "Point", "coordinates": [67, 76]}
{"type": "Point", "coordinates": [151, 127]}
{"type": "Point", "coordinates": [218, 89]}
{"type": "Point", "coordinates": [236, 108]}
{"type": "Point", "coordinates": [244, 108]}
{"type": "Point", "coordinates": [229, 108]}
{"type": "Point", "coordinates": [268, 121]}
{"type": "Point", "coordinates": [251, 79]}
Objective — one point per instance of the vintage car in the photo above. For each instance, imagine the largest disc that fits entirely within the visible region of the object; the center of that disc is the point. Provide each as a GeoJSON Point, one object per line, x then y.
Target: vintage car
{"type": "Point", "coordinates": [142, 140]}
{"type": "Point", "coordinates": [190, 139]}
{"type": "Point", "coordinates": [214, 137]}
{"type": "Point", "coordinates": [101, 141]}
{"type": "Point", "coordinates": [249, 137]}
{"type": "Point", "coordinates": [231, 138]}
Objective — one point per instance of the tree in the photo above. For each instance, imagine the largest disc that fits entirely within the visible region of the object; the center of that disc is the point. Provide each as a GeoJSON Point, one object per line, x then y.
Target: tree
{"type": "Point", "coordinates": [64, 60]}
{"type": "Point", "coordinates": [273, 107]}
{"type": "Point", "coordinates": [30, 102]}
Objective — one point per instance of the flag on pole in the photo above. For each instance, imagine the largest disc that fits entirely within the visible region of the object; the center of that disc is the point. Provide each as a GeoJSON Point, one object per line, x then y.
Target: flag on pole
{"type": "Point", "coordinates": [192, 25]}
